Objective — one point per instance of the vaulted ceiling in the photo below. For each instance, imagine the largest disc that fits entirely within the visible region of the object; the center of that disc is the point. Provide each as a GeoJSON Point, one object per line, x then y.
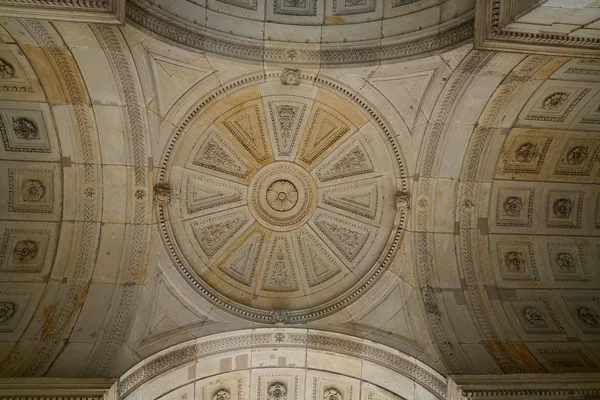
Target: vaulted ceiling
{"type": "Point", "coordinates": [190, 173]}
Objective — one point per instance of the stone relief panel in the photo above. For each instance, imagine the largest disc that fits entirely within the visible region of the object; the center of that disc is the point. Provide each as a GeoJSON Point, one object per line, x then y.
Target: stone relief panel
{"type": "Point", "coordinates": [325, 127]}
{"type": "Point", "coordinates": [232, 386]}
{"type": "Point", "coordinates": [363, 199]}
{"type": "Point", "coordinates": [351, 7]}
{"type": "Point", "coordinates": [30, 189]}
{"type": "Point", "coordinates": [330, 387]}
{"type": "Point", "coordinates": [514, 206]}
{"type": "Point", "coordinates": [578, 157]}
{"type": "Point", "coordinates": [516, 260]}
{"type": "Point", "coordinates": [557, 104]}
{"type": "Point", "coordinates": [205, 194]}
{"type": "Point", "coordinates": [373, 392]}
{"type": "Point", "coordinates": [564, 209]}
{"type": "Point", "coordinates": [17, 304]}
{"type": "Point", "coordinates": [249, 4]}
{"type": "Point", "coordinates": [578, 69]}
{"type": "Point", "coordinates": [589, 118]}
{"type": "Point", "coordinates": [247, 125]}
{"type": "Point", "coordinates": [351, 160]}
{"type": "Point", "coordinates": [287, 117]}
{"type": "Point", "coordinates": [278, 384]}
{"type": "Point", "coordinates": [214, 231]}
{"type": "Point", "coordinates": [295, 7]}
{"type": "Point", "coordinates": [27, 132]}
{"type": "Point", "coordinates": [348, 238]}
{"type": "Point", "coordinates": [527, 152]}
{"type": "Point", "coordinates": [281, 270]}
{"type": "Point", "coordinates": [27, 250]}
{"type": "Point", "coordinates": [17, 79]}
{"type": "Point", "coordinates": [585, 314]}
{"type": "Point", "coordinates": [571, 358]}
{"type": "Point", "coordinates": [218, 154]}
{"type": "Point", "coordinates": [244, 257]}
{"type": "Point", "coordinates": [536, 317]}
{"type": "Point", "coordinates": [568, 261]}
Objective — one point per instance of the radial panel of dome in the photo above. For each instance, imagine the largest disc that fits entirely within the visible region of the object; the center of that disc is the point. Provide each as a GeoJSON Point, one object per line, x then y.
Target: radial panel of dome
{"type": "Point", "coordinates": [283, 203]}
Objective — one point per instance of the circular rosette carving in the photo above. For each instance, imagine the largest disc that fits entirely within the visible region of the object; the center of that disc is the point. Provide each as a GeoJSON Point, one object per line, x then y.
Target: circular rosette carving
{"type": "Point", "coordinates": [25, 251]}
{"type": "Point", "coordinates": [281, 199]}
{"type": "Point", "coordinates": [562, 208]}
{"type": "Point", "coordinates": [534, 316]}
{"type": "Point", "coordinates": [282, 195]}
{"type": "Point", "coordinates": [33, 190]}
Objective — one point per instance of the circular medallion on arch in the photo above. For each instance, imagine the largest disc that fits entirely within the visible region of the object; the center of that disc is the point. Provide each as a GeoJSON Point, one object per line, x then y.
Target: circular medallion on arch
{"type": "Point", "coordinates": [283, 200]}
{"type": "Point", "coordinates": [282, 196]}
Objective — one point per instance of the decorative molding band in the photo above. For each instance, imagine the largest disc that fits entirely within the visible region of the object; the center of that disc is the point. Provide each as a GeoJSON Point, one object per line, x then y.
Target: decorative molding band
{"type": "Point", "coordinates": [296, 316]}
{"type": "Point", "coordinates": [87, 11]}
{"type": "Point", "coordinates": [54, 388]}
{"type": "Point", "coordinates": [490, 17]}
{"type": "Point", "coordinates": [178, 31]}
{"type": "Point", "coordinates": [268, 338]}
{"type": "Point", "coordinates": [579, 386]}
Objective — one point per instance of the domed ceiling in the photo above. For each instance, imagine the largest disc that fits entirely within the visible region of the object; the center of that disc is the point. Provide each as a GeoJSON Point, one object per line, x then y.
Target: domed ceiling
{"type": "Point", "coordinates": [308, 31]}
{"type": "Point", "coordinates": [284, 200]}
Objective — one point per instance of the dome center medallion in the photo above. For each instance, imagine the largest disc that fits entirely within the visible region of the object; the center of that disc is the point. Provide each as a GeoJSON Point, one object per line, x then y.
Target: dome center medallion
{"type": "Point", "coordinates": [282, 196]}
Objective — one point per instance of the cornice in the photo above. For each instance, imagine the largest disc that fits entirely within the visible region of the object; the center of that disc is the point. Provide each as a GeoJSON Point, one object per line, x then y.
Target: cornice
{"type": "Point", "coordinates": [490, 17]}
{"type": "Point", "coordinates": [526, 386]}
{"type": "Point", "coordinates": [180, 32]}
{"type": "Point", "coordinates": [54, 388]}
{"type": "Point", "coordinates": [88, 11]}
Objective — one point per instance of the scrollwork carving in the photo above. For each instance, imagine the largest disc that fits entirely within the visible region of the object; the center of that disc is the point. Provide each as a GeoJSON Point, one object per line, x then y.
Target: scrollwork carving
{"type": "Point", "coordinates": [402, 201]}
{"type": "Point", "coordinates": [7, 310]}
{"type": "Point", "coordinates": [290, 76]}
{"type": "Point", "coordinates": [162, 194]}
{"type": "Point", "coordinates": [280, 317]}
